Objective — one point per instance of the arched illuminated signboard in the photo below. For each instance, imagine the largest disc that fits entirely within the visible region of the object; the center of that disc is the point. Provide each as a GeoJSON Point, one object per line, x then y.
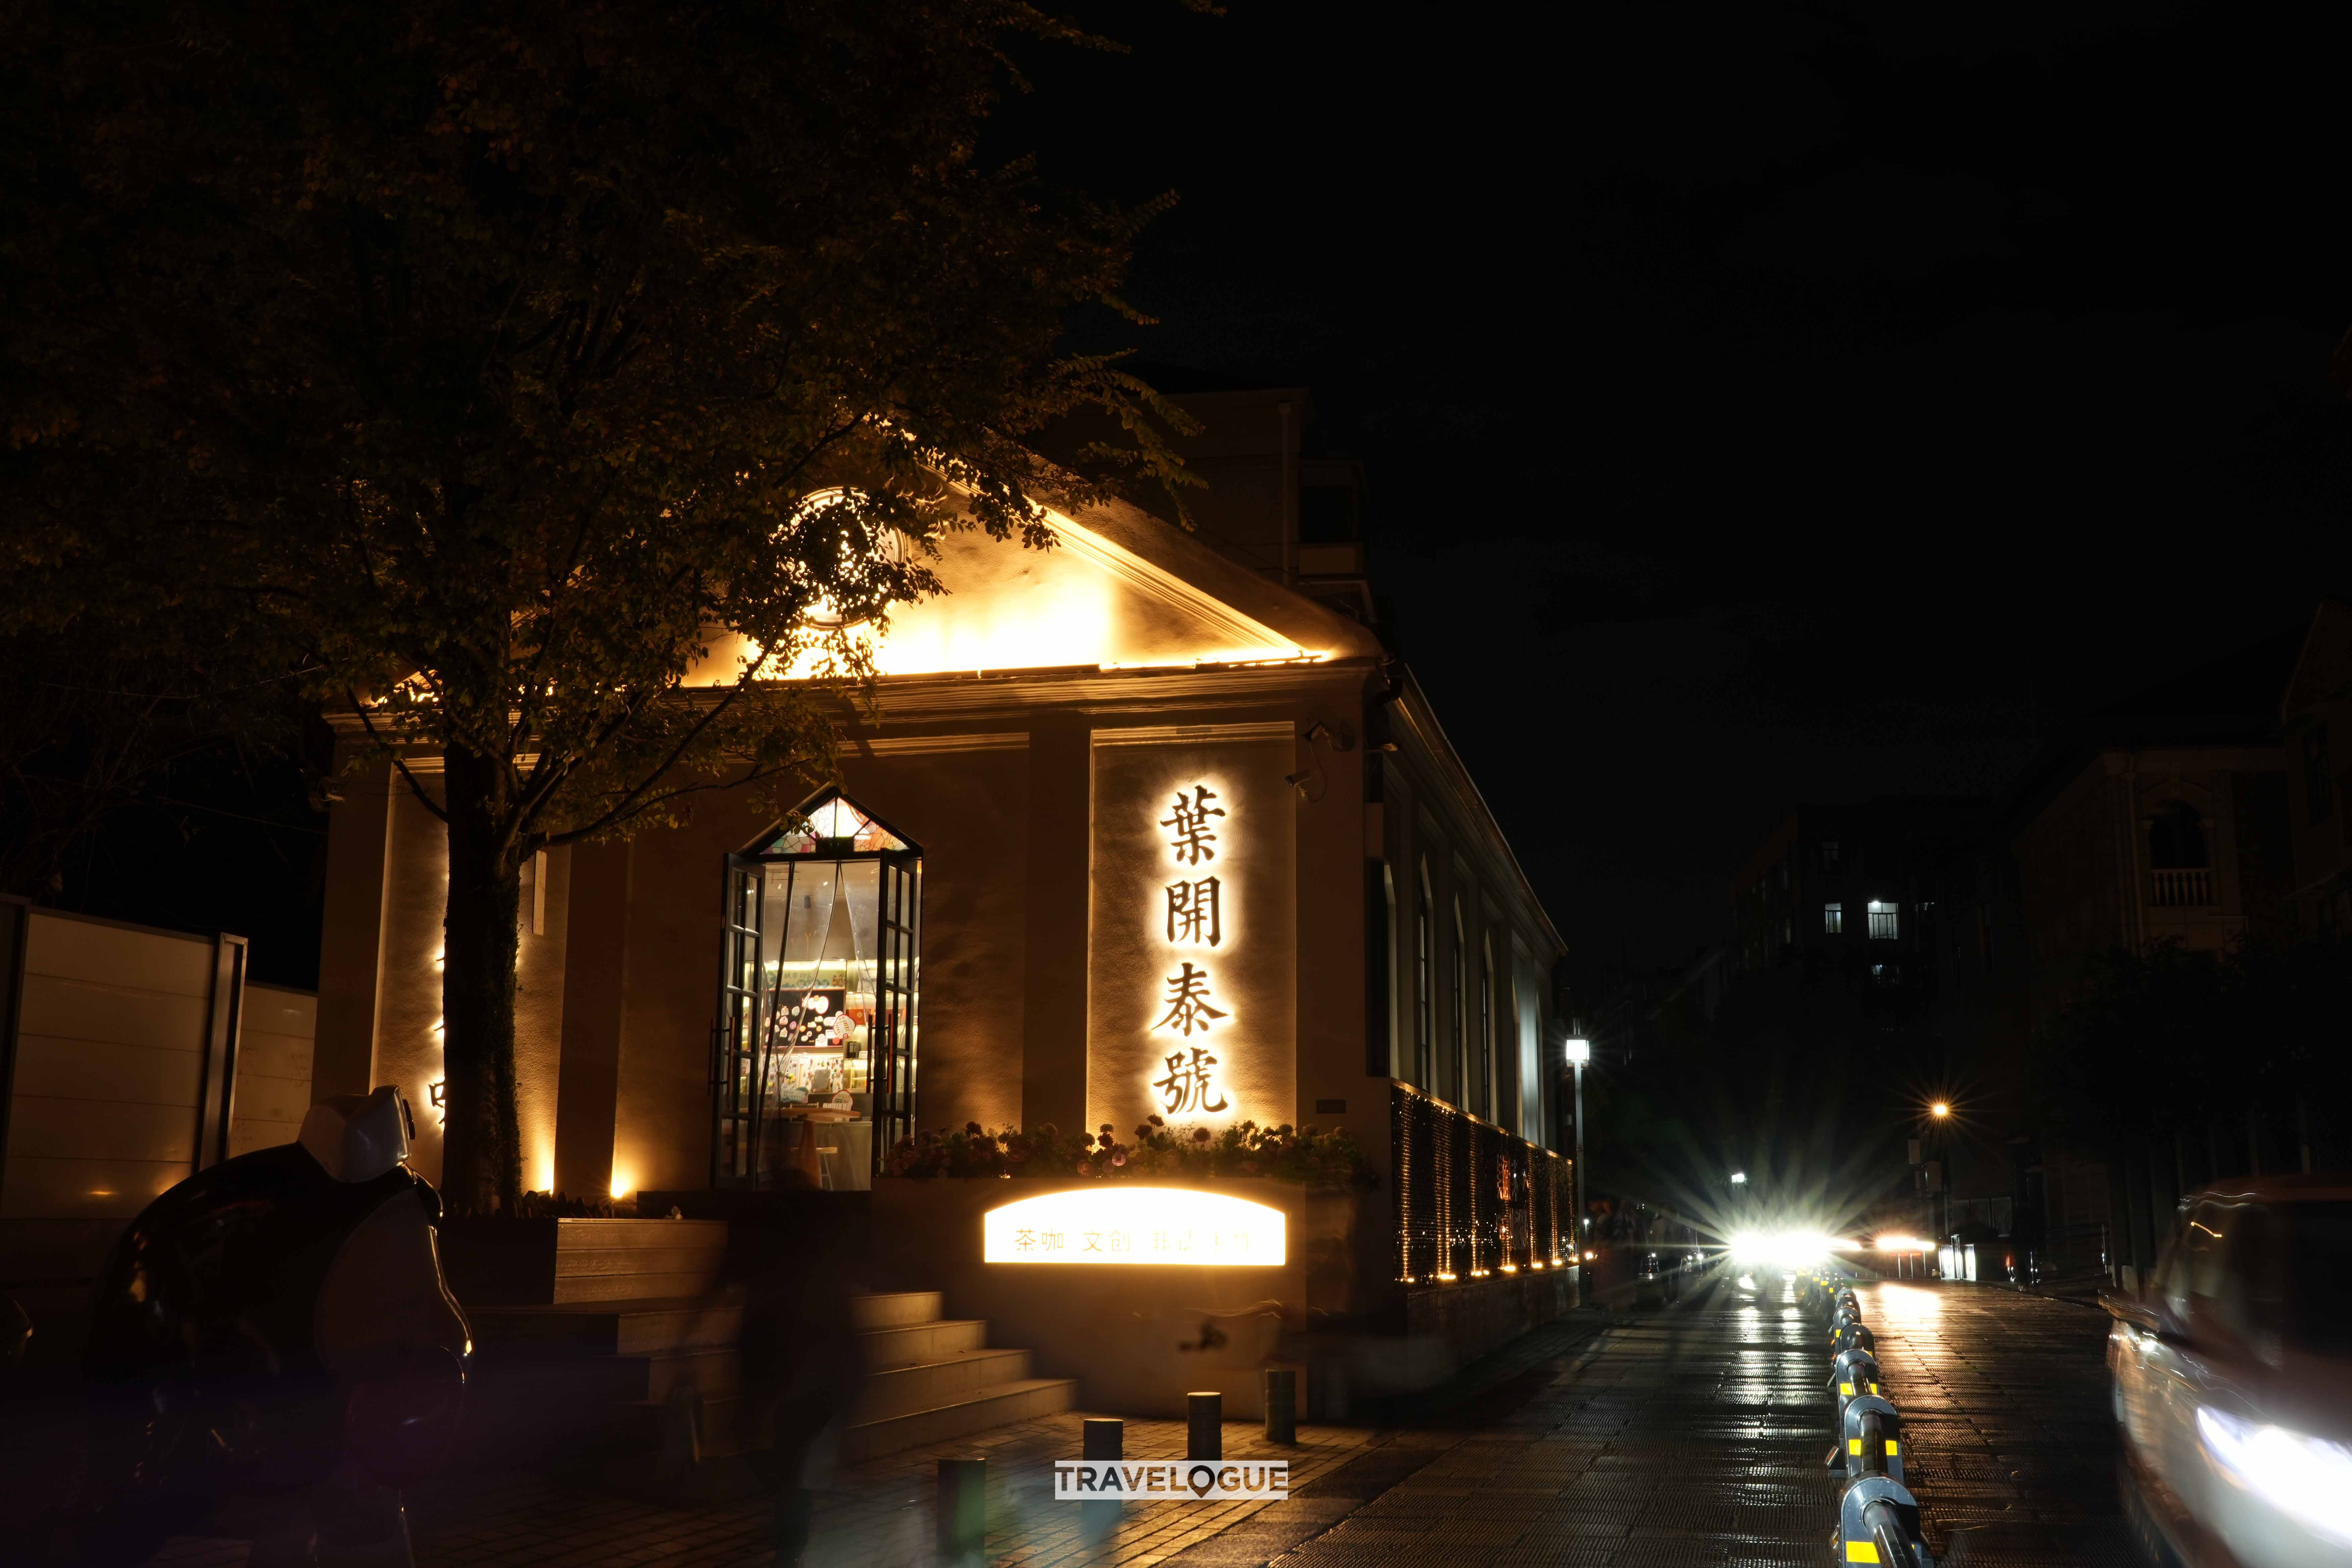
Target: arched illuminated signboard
{"type": "Point", "coordinates": [1119, 1223]}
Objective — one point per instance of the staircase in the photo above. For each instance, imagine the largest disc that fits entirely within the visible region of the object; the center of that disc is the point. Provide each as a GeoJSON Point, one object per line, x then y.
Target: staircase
{"type": "Point", "coordinates": [638, 1348]}
{"type": "Point", "coordinates": [930, 1378]}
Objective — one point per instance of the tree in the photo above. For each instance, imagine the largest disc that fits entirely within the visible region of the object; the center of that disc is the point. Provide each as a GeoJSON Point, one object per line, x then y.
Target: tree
{"type": "Point", "coordinates": [478, 363]}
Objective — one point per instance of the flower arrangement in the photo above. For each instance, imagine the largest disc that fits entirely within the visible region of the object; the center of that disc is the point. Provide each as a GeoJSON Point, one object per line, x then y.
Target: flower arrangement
{"type": "Point", "coordinates": [563, 1205]}
{"type": "Point", "coordinates": [1157, 1151]}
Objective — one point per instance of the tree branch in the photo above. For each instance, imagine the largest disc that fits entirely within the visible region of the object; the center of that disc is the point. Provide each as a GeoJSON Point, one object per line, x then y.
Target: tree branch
{"type": "Point", "coordinates": [415, 788]}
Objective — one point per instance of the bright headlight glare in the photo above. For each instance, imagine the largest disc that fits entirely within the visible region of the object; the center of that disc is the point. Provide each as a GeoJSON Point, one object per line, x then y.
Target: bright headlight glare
{"type": "Point", "coordinates": [2303, 1478]}
{"type": "Point", "coordinates": [1789, 1248]}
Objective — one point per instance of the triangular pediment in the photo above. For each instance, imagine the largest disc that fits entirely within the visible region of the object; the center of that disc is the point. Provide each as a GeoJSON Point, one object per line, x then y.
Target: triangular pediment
{"type": "Point", "coordinates": [1120, 589]}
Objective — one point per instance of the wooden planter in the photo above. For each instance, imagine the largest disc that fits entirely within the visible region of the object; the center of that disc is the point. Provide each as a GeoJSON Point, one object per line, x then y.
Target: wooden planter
{"type": "Point", "coordinates": [558, 1262]}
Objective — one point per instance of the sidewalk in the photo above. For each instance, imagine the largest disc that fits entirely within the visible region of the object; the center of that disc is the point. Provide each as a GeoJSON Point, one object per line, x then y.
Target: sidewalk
{"type": "Point", "coordinates": [877, 1515]}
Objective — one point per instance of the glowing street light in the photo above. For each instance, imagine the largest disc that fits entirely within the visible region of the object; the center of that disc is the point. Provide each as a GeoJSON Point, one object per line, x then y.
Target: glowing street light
{"type": "Point", "coordinates": [1739, 1178]}
{"type": "Point", "coordinates": [1579, 1053]}
{"type": "Point", "coordinates": [1942, 1112]}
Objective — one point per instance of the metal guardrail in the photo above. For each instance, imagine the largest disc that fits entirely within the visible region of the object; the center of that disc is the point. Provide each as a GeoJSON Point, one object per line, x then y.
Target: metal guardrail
{"type": "Point", "coordinates": [1879, 1520]}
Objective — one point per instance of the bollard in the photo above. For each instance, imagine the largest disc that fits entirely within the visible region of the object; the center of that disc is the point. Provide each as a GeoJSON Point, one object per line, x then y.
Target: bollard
{"type": "Point", "coordinates": [1873, 1434]}
{"type": "Point", "coordinates": [1852, 1337]}
{"type": "Point", "coordinates": [963, 1513]}
{"type": "Point", "coordinates": [1204, 1433]}
{"type": "Point", "coordinates": [1855, 1374]}
{"type": "Point", "coordinates": [1281, 1405]}
{"type": "Point", "coordinates": [1878, 1522]}
{"type": "Point", "coordinates": [1101, 1438]}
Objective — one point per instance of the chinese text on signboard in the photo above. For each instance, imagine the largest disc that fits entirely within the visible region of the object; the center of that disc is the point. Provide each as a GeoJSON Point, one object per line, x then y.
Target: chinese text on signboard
{"type": "Point", "coordinates": [1119, 1223]}
{"type": "Point", "coordinates": [1195, 918]}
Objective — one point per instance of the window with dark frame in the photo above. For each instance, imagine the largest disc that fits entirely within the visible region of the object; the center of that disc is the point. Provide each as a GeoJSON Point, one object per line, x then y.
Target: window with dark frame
{"type": "Point", "coordinates": [819, 994]}
{"type": "Point", "coordinates": [1424, 1047]}
{"type": "Point", "coordinates": [1459, 1070]}
{"type": "Point", "coordinates": [1491, 1089]}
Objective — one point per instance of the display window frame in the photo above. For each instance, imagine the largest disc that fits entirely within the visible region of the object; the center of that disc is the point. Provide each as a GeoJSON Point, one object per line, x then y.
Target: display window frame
{"type": "Point", "coordinates": [762, 1018]}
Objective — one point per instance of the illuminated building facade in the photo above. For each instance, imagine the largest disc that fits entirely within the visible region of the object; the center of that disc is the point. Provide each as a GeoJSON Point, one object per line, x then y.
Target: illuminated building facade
{"type": "Point", "coordinates": [1147, 824]}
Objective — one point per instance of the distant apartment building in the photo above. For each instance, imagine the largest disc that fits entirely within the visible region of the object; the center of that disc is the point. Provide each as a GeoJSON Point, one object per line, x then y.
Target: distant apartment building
{"type": "Point", "coordinates": [2162, 818]}
{"type": "Point", "coordinates": [1853, 888]}
{"type": "Point", "coordinates": [2165, 819]}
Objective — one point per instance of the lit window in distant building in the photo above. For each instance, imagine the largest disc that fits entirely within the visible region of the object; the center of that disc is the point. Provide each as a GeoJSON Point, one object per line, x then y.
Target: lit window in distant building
{"type": "Point", "coordinates": [2318, 792]}
{"type": "Point", "coordinates": [1829, 854]}
{"type": "Point", "coordinates": [1882, 923]}
{"type": "Point", "coordinates": [1832, 918]}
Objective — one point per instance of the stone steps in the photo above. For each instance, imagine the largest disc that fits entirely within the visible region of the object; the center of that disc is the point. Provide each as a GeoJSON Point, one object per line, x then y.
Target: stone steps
{"type": "Point", "coordinates": [664, 1368]}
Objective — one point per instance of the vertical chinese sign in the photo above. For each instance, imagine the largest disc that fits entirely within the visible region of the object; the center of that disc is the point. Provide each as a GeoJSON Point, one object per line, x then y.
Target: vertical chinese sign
{"type": "Point", "coordinates": [1192, 939]}
{"type": "Point", "coordinates": [1195, 906]}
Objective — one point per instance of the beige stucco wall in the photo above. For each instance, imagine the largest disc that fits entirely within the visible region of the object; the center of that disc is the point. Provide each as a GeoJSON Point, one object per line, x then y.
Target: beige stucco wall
{"type": "Point", "coordinates": [968, 810]}
{"type": "Point", "coordinates": [408, 998]}
{"type": "Point", "coordinates": [539, 1010]}
{"type": "Point", "coordinates": [407, 1045]}
{"type": "Point", "coordinates": [965, 805]}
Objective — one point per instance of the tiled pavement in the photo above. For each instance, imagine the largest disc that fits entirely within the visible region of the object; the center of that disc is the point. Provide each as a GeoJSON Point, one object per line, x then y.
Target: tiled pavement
{"type": "Point", "coordinates": [877, 1515]}
{"type": "Point", "coordinates": [1693, 1435]}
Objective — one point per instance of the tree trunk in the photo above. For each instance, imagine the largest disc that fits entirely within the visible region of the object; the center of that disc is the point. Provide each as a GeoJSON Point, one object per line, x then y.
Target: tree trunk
{"type": "Point", "coordinates": [481, 1159]}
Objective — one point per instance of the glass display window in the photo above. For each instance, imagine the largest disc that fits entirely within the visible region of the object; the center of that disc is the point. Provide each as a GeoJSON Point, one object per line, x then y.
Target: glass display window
{"type": "Point", "coordinates": [821, 988]}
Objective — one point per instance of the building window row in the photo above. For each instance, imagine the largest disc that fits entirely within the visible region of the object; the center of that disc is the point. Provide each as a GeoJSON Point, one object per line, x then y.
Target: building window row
{"type": "Point", "coordinates": [1885, 923]}
{"type": "Point", "coordinates": [1463, 1071]}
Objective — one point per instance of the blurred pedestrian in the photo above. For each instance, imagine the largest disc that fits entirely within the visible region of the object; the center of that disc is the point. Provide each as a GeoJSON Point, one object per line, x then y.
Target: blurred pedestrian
{"type": "Point", "coordinates": [804, 1362]}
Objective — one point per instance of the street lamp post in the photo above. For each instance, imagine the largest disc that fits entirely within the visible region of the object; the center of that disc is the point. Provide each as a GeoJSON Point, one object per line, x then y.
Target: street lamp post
{"type": "Point", "coordinates": [1579, 1051]}
{"type": "Point", "coordinates": [1938, 1115]}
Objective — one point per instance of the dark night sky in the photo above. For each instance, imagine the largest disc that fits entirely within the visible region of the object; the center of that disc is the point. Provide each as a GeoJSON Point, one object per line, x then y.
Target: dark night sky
{"type": "Point", "coordinates": [1800, 402]}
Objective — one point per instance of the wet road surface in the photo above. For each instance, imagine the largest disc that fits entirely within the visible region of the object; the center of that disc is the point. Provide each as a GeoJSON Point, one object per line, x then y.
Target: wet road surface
{"type": "Point", "coordinates": [1697, 1435]}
